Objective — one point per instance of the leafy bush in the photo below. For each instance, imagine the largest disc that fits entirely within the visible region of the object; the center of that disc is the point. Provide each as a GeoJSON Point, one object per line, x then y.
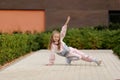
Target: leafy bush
{"type": "Point", "coordinates": [88, 38]}
{"type": "Point", "coordinates": [12, 46]}
{"type": "Point", "coordinates": [43, 40]}
{"type": "Point", "coordinates": [101, 27]}
{"type": "Point", "coordinates": [33, 44]}
{"type": "Point", "coordinates": [114, 26]}
{"type": "Point", "coordinates": [15, 45]}
{"type": "Point", "coordinates": [116, 42]}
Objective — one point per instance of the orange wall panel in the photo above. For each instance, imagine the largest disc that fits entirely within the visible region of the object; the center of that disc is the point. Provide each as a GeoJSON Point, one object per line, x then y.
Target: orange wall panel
{"type": "Point", "coordinates": [22, 20]}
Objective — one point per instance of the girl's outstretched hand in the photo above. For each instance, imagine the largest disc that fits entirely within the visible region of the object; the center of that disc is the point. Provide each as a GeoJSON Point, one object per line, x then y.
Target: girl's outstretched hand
{"type": "Point", "coordinates": [68, 19]}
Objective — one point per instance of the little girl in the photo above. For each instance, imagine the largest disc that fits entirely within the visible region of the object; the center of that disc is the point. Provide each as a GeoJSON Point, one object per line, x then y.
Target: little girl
{"type": "Point", "coordinates": [57, 45]}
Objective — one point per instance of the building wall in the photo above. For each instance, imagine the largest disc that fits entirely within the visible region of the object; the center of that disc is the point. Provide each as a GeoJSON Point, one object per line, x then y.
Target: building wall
{"type": "Point", "coordinates": [114, 5]}
{"type": "Point", "coordinates": [82, 12]}
{"type": "Point", "coordinates": [28, 15]}
{"type": "Point", "coordinates": [22, 21]}
{"type": "Point", "coordinates": [22, 4]}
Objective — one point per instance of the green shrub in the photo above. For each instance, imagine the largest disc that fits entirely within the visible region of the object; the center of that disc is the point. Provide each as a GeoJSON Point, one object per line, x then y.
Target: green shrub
{"type": "Point", "coordinates": [117, 50]}
{"type": "Point", "coordinates": [107, 36]}
{"type": "Point", "coordinates": [15, 45]}
{"type": "Point", "coordinates": [86, 38]}
{"type": "Point", "coordinates": [12, 46]}
{"type": "Point", "coordinates": [100, 27]}
{"type": "Point", "coordinates": [116, 43]}
{"type": "Point", "coordinates": [114, 26]}
{"type": "Point", "coordinates": [33, 45]}
{"type": "Point", "coordinates": [43, 40]}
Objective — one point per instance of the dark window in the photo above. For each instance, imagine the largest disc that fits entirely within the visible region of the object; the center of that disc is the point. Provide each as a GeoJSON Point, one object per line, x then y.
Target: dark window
{"type": "Point", "coordinates": [114, 16]}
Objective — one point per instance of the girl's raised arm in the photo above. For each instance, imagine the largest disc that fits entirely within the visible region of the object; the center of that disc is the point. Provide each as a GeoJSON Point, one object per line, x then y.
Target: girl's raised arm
{"type": "Point", "coordinates": [68, 19]}
{"type": "Point", "coordinates": [64, 28]}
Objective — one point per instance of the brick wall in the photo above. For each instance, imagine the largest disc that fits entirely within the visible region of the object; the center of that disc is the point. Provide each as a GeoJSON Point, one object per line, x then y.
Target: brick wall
{"type": "Point", "coordinates": [82, 12]}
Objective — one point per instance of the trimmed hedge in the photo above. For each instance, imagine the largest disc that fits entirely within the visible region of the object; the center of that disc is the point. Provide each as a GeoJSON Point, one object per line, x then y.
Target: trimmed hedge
{"type": "Point", "coordinates": [15, 45]}
{"type": "Point", "coordinates": [88, 38]}
{"type": "Point", "coordinates": [12, 46]}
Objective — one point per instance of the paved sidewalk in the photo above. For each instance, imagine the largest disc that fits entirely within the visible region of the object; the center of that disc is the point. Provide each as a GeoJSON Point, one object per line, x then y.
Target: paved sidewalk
{"type": "Point", "coordinates": [33, 68]}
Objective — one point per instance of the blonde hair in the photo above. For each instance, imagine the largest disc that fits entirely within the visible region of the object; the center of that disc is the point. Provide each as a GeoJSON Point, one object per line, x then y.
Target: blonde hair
{"type": "Point", "coordinates": [51, 40]}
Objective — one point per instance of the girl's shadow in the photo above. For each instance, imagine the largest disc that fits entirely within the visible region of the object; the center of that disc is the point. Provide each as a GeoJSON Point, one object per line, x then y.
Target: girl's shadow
{"type": "Point", "coordinates": [75, 65]}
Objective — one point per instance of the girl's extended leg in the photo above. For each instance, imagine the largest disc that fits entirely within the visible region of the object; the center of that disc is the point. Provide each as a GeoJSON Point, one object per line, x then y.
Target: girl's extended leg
{"type": "Point", "coordinates": [83, 56]}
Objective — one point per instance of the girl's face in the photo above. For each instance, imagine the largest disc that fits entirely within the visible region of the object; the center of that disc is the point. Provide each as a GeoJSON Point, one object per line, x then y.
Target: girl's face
{"type": "Point", "coordinates": [56, 37]}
